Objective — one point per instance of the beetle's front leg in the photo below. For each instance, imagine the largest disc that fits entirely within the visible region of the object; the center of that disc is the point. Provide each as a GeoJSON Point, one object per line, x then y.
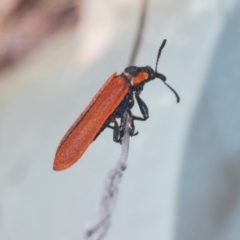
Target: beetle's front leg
{"type": "Point", "coordinates": [143, 108]}
{"type": "Point", "coordinates": [132, 128]}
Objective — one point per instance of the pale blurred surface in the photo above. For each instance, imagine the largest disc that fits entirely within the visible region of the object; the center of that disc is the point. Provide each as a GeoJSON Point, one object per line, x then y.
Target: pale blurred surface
{"type": "Point", "coordinates": [26, 25]}
{"type": "Point", "coordinates": [183, 175]}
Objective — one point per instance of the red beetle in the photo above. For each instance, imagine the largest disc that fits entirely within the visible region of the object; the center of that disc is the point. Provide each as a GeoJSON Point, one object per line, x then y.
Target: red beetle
{"type": "Point", "coordinates": [114, 98]}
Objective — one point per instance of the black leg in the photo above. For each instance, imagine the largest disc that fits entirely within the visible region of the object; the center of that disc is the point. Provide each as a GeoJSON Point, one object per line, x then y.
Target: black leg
{"type": "Point", "coordinates": [123, 123]}
{"type": "Point", "coordinates": [116, 129]}
{"type": "Point", "coordinates": [116, 132]}
{"type": "Point", "coordinates": [132, 129]}
{"type": "Point", "coordinates": [143, 108]}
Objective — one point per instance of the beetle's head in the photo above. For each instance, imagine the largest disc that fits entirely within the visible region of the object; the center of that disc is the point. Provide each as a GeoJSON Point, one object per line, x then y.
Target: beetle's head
{"type": "Point", "coordinates": [140, 75]}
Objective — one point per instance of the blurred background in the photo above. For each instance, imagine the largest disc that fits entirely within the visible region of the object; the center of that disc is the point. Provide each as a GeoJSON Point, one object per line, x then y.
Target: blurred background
{"type": "Point", "coordinates": [183, 175]}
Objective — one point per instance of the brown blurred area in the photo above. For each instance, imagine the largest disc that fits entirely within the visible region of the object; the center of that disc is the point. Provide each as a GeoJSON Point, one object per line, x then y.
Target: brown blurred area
{"type": "Point", "coordinates": [26, 24]}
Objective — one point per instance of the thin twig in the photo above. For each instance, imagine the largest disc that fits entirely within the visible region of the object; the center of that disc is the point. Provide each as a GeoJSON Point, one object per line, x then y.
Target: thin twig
{"type": "Point", "coordinates": [138, 38]}
{"type": "Point", "coordinates": [98, 229]}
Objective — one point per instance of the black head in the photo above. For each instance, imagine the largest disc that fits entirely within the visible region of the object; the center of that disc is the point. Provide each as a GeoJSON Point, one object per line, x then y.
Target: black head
{"type": "Point", "coordinates": [138, 76]}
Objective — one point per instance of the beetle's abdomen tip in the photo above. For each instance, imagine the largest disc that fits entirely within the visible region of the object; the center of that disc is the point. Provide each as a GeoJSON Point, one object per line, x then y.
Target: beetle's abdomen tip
{"type": "Point", "coordinates": [58, 165]}
{"type": "Point", "coordinates": [56, 169]}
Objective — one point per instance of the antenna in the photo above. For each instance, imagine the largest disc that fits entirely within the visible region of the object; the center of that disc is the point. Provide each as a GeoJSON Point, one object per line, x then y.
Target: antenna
{"type": "Point", "coordinates": [161, 76]}
{"type": "Point", "coordinates": [177, 96]}
{"type": "Point", "coordinates": [159, 52]}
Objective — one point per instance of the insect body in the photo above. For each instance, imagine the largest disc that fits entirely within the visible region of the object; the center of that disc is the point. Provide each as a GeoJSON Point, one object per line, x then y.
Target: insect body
{"type": "Point", "coordinates": [114, 98]}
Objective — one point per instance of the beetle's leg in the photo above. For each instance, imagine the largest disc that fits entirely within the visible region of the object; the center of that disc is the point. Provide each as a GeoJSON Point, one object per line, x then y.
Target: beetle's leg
{"type": "Point", "coordinates": [115, 128]}
{"type": "Point", "coordinates": [122, 127]}
{"type": "Point", "coordinates": [132, 128]}
{"type": "Point", "coordinates": [131, 118]}
{"type": "Point", "coordinates": [109, 126]}
{"type": "Point", "coordinates": [143, 108]}
{"type": "Point", "coordinates": [116, 131]}
{"type": "Point", "coordinates": [131, 102]}
{"type": "Point", "coordinates": [123, 122]}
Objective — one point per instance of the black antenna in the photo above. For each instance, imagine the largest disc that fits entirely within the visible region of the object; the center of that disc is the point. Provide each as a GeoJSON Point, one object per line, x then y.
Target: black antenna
{"type": "Point", "coordinates": [161, 76]}
{"type": "Point", "coordinates": [159, 52]}
{"type": "Point", "coordinates": [177, 96]}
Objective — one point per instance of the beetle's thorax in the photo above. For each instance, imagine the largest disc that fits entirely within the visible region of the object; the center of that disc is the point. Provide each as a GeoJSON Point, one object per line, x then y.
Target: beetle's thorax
{"type": "Point", "coordinates": [138, 75]}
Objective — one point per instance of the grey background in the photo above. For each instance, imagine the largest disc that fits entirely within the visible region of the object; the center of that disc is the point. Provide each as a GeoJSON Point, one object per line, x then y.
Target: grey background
{"type": "Point", "coordinates": [183, 168]}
